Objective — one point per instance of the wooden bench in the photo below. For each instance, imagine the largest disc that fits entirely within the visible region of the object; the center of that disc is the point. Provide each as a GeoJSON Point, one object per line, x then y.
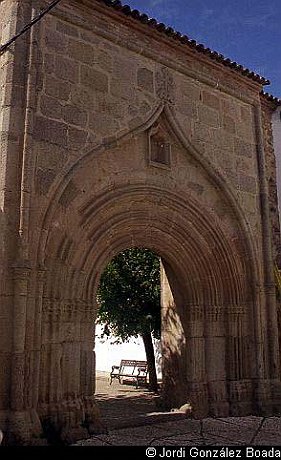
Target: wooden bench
{"type": "Point", "coordinates": [128, 368]}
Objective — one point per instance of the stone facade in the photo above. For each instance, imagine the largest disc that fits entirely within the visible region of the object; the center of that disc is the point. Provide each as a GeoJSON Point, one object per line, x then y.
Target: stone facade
{"type": "Point", "coordinates": [276, 130]}
{"type": "Point", "coordinates": [115, 136]}
{"type": "Point", "coordinates": [271, 177]}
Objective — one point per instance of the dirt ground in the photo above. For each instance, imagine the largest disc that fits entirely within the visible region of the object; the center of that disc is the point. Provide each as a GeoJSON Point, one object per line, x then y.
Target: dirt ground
{"type": "Point", "coordinates": [132, 419]}
{"type": "Point", "coordinates": [122, 405]}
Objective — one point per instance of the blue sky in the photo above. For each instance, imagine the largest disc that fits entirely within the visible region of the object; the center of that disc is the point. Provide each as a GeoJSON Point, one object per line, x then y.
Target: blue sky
{"type": "Point", "coordinates": [246, 31]}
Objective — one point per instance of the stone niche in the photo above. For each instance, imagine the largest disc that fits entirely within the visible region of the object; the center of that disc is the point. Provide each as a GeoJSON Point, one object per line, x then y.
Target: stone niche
{"type": "Point", "coordinates": [159, 147]}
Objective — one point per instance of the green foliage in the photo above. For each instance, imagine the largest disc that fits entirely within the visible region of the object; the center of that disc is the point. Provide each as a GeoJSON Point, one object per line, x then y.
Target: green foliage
{"type": "Point", "coordinates": [129, 295]}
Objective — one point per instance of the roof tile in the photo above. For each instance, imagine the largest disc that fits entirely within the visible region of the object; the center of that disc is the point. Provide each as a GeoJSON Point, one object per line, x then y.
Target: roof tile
{"type": "Point", "coordinates": [170, 32]}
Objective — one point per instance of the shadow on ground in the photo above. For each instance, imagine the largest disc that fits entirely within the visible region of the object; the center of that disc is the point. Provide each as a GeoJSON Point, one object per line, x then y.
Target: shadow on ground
{"type": "Point", "coordinates": [122, 405]}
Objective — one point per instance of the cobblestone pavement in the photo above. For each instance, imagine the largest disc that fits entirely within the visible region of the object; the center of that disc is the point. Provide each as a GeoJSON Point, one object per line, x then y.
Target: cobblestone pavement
{"type": "Point", "coordinates": [131, 418]}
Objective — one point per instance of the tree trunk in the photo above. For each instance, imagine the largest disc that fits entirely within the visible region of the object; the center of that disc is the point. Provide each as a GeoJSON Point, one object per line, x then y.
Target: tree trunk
{"type": "Point", "coordinates": [150, 357]}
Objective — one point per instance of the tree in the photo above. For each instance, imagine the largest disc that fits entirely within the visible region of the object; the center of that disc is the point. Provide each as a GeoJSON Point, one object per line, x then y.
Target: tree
{"type": "Point", "coordinates": [129, 299]}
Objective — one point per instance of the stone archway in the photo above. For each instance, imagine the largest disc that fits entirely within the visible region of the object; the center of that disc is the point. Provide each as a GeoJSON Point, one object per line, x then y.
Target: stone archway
{"type": "Point", "coordinates": [209, 302]}
{"type": "Point", "coordinates": [108, 144]}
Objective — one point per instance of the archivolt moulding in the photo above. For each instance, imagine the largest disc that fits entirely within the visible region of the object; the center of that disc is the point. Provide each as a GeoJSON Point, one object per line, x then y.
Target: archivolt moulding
{"type": "Point", "coordinates": [165, 113]}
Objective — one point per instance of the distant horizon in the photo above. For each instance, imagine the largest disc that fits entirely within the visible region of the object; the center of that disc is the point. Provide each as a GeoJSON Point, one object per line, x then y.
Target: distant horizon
{"type": "Point", "coordinates": [245, 31]}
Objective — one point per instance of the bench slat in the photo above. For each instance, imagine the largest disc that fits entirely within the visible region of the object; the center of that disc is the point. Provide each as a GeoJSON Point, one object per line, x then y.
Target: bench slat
{"type": "Point", "coordinates": [130, 368]}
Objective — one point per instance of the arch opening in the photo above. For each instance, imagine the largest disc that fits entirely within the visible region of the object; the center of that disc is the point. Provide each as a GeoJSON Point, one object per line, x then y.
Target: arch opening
{"type": "Point", "coordinates": [208, 280]}
{"type": "Point", "coordinates": [206, 304]}
{"type": "Point", "coordinates": [128, 300]}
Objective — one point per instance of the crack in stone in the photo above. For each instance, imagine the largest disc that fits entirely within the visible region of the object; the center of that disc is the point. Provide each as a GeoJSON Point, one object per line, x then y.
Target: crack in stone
{"type": "Point", "coordinates": [258, 430]}
{"type": "Point", "coordinates": [202, 432]}
{"type": "Point", "coordinates": [102, 440]}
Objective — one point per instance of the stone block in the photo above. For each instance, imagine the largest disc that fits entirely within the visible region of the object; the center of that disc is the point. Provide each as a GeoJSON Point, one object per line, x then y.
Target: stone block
{"type": "Point", "coordinates": [82, 52]}
{"type": "Point", "coordinates": [43, 181]}
{"type": "Point", "coordinates": [5, 382]}
{"type": "Point", "coordinates": [104, 60]}
{"type": "Point", "coordinates": [50, 107]}
{"type": "Point", "coordinates": [94, 79]}
{"type": "Point", "coordinates": [211, 100]}
{"type": "Point", "coordinates": [14, 74]}
{"type": "Point", "coordinates": [222, 138]}
{"type": "Point", "coordinates": [244, 149]}
{"type": "Point", "coordinates": [188, 108]}
{"type": "Point", "coordinates": [77, 138]}
{"type": "Point", "coordinates": [49, 22]}
{"type": "Point", "coordinates": [123, 90]}
{"type": "Point", "coordinates": [215, 358]}
{"type": "Point", "coordinates": [201, 132]}
{"type": "Point", "coordinates": [66, 69]}
{"type": "Point", "coordinates": [39, 83]}
{"type": "Point", "coordinates": [50, 155]}
{"type": "Point", "coordinates": [228, 124]}
{"type": "Point", "coordinates": [11, 124]}
{"type": "Point", "coordinates": [67, 29]}
{"type": "Point", "coordinates": [49, 63]}
{"type": "Point", "coordinates": [245, 164]}
{"type": "Point", "coordinates": [110, 105]}
{"type": "Point", "coordinates": [250, 203]}
{"type": "Point", "coordinates": [89, 37]}
{"type": "Point", "coordinates": [189, 90]}
{"type": "Point", "coordinates": [57, 88]}
{"type": "Point", "coordinates": [50, 130]}
{"type": "Point", "coordinates": [75, 115]}
{"type": "Point", "coordinates": [13, 96]}
{"type": "Point", "coordinates": [55, 41]}
{"type": "Point", "coordinates": [145, 79]}
{"type": "Point", "coordinates": [246, 114]}
{"type": "Point", "coordinates": [83, 97]}
{"type": "Point", "coordinates": [247, 183]}
{"type": "Point", "coordinates": [208, 116]}
{"type": "Point", "coordinates": [230, 107]}
{"type": "Point", "coordinates": [245, 132]}
{"type": "Point", "coordinates": [102, 123]}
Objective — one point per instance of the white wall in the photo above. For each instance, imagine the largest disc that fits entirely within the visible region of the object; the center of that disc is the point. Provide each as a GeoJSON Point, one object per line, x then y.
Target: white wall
{"type": "Point", "coordinates": [276, 127]}
{"type": "Point", "coordinates": [109, 354]}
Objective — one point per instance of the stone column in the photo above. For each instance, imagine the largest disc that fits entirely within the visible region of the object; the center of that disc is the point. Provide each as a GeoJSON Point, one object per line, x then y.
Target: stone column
{"type": "Point", "coordinates": [11, 127]}
{"type": "Point", "coordinates": [23, 423]}
{"type": "Point", "coordinates": [87, 368]}
{"type": "Point", "coordinates": [196, 361]}
{"type": "Point", "coordinates": [240, 360]}
{"type": "Point", "coordinates": [272, 387]}
{"type": "Point", "coordinates": [41, 274]}
{"type": "Point", "coordinates": [21, 278]}
{"type": "Point", "coordinates": [215, 345]}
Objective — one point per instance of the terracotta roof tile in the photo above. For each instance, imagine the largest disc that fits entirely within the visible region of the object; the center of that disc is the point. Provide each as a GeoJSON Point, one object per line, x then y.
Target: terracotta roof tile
{"type": "Point", "coordinates": [271, 98]}
{"type": "Point", "coordinates": [170, 32]}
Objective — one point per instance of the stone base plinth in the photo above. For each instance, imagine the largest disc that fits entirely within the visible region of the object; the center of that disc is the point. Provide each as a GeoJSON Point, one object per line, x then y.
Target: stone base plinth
{"type": "Point", "coordinates": [70, 420]}
{"type": "Point", "coordinates": [22, 428]}
{"type": "Point", "coordinates": [267, 397]}
{"type": "Point", "coordinates": [60, 423]}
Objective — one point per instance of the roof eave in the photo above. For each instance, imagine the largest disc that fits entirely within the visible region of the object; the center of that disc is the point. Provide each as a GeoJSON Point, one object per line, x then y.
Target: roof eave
{"type": "Point", "coordinates": [184, 39]}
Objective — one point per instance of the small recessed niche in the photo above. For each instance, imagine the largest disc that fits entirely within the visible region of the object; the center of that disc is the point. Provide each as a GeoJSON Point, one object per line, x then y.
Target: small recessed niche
{"type": "Point", "coordinates": [159, 148]}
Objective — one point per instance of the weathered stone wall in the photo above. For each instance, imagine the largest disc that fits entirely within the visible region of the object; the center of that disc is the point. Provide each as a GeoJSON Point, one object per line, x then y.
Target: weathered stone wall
{"type": "Point", "coordinates": [16, 319]}
{"type": "Point", "coordinates": [276, 131]}
{"type": "Point", "coordinates": [102, 98]}
{"type": "Point", "coordinates": [8, 186]}
{"type": "Point", "coordinates": [93, 88]}
{"type": "Point", "coordinates": [276, 126]}
{"type": "Point", "coordinates": [267, 110]}
{"type": "Point", "coordinates": [1, 41]}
